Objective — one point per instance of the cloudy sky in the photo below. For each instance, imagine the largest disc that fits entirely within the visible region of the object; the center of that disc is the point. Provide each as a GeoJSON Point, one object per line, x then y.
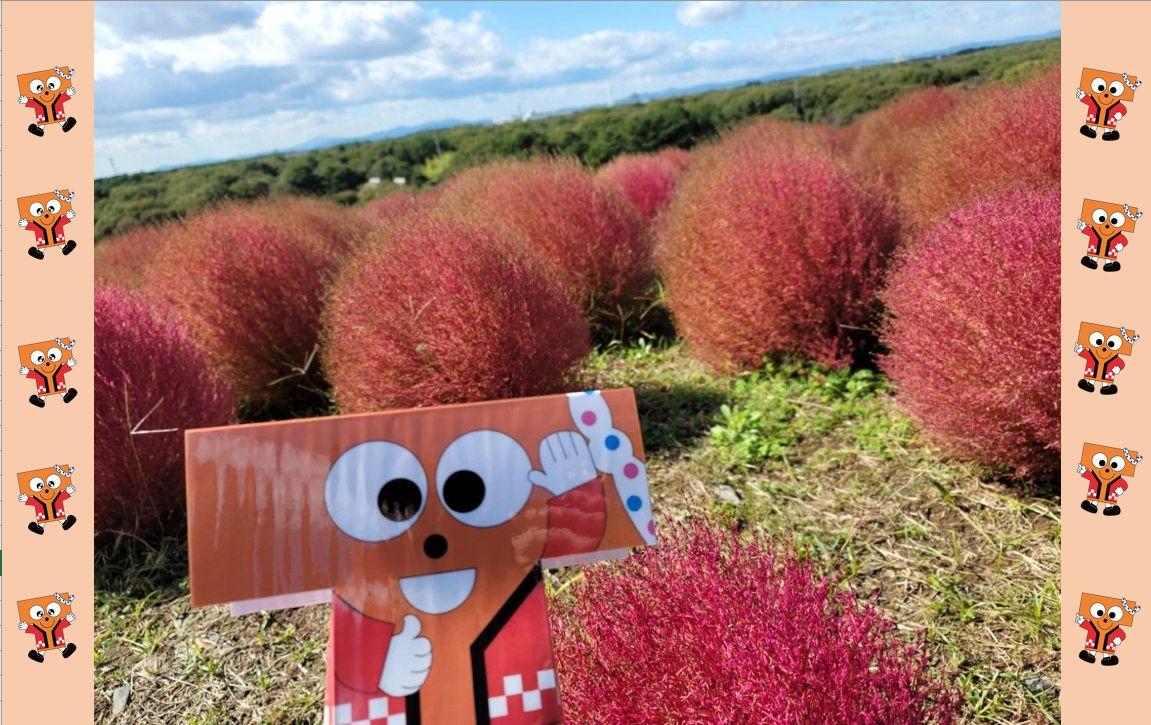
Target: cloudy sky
{"type": "Point", "coordinates": [178, 83]}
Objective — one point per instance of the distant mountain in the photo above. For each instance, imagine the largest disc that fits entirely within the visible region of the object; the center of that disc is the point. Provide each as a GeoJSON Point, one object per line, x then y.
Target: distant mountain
{"type": "Point", "coordinates": [395, 132]}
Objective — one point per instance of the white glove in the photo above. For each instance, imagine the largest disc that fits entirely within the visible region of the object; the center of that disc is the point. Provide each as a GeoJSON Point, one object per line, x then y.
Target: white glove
{"type": "Point", "coordinates": [71, 617]}
{"type": "Point", "coordinates": [23, 370]}
{"type": "Point", "coordinates": [408, 662]}
{"type": "Point", "coordinates": [23, 100]}
{"type": "Point", "coordinates": [1081, 469]}
{"type": "Point", "coordinates": [22, 498]}
{"type": "Point", "coordinates": [71, 91]}
{"type": "Point", "coordinates": [1078, 618]}
{"type": "Point", "coordinates": [1078, 348]}
{"type": "Point", "coordinates": [22, 223]}
{"type": "Point", "coordinates": [70, 489]}
{"type": "Point", "coordinates": [1081, 224]}
{"type": "Point", "coordinates": [1118, 117]}
{"type": "Point", "coordinates": [71, 214]}
{"type": "Point", "coordinates": [1079, 94]}
{"type": "Point", "coordinates": [1119, 492]}
{"type": "Point", "coordinates": [71, 362]}
{"type": "Point", "coordinates": [1114, 372]}
{"type": "Point", "coordinates": [566, 462]}
{"type": "Point", "coordinates": [22, 625]}
{"type": "Point", "coordinates": [1118, 248]}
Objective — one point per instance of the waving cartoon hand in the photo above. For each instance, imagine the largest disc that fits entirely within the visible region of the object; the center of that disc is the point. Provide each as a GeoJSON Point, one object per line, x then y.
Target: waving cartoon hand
{"type": "Point", "coordinates": [408, 662]}
{"type": "Point", "coordinates": [566, 462]}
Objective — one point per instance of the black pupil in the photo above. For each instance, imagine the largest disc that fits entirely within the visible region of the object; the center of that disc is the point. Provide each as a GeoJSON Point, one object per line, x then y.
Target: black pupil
{"type": "Point", "coordinates": [1115, 465]}
{"type": "Point", "coordinates": [464, 491]}
{"type": "Point", "coordinates": [399, 499]}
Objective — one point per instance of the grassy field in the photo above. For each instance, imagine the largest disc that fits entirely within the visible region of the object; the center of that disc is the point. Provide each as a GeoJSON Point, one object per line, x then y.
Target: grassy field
{"type": "Point", "coordinates": [821, 459]}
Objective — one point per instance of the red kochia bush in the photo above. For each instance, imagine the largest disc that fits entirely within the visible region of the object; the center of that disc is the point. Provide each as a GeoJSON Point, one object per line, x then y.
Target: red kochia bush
{"type": "Point", "coordinates": [974, 349]}
{"type": "Point", "coordinates": [706, 628]}
{"type": "Point", "coordinates": [772, 246]}
{"type": "Point", "coordinates": [122, 259]}
{"type": "Point", "coordinates": [647, 180]}
{"type": "Point", "coordinates": [444, 311]}
{"type": "Point", "coordinates": [887, 142]}
{"type": "Point", "coordinates": [586, 229]}
{"type": "Point", "coordinates": [150, 377]}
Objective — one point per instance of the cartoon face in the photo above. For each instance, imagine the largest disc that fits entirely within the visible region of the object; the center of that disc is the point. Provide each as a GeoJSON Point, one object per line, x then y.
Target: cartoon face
{"type": "Point", "coordinates": [46, 357]}
{"type": "Point", "coordinates": [1108, 218]}
{"type": "Point", "coordinates": [45, 209]}
{"type": "Point", "coordinates": [1108, 462]}
{"type": "Point", "coordinates": [45, 85]}
{"type": "Point", "coordinates": [1107, 613]}
{"type": "Point", "coordinates": [45, 483]}
{"type": "Point", "coordinates": [45, 611]}
{"type": "Point", "coordinates": [1106, 341]}
{"type": "Point", "coordinates": [1107, 88]}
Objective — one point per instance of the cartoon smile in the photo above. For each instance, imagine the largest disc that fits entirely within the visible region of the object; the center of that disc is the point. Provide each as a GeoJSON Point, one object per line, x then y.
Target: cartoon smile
{"type": "Point", "coordinates": [438, 593]}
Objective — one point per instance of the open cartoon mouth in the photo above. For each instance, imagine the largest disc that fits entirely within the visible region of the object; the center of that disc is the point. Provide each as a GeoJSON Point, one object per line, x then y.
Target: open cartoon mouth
{"type": "Point", "coordinates": [438, 593]}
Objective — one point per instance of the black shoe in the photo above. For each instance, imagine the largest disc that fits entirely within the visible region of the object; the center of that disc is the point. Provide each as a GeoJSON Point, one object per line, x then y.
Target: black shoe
{"type": "Point", "coordinates": [69, 522]}
{"type": "Point", "coordinates": [71, 648]}
{"type": "Point", "coordinates": [72, 245]}
{"type": "Point", "coordinates": [35, 253]}
{"type": "Point", "coordinates": [36, 400]}
{"type": "Point", "coordinates": [72, 122]}
{"type": "Point", "coordinates": [1087, 131]}
{"type": "Point", "coordinates": [35, 528]}
{"type": "Point", "coordinates": [1087, 657]}
{"type": "Point", "coordinates": [36, 131]}
{"type": "Point", "coordinates": [1111, 135]}
{"type": "Point", "coordinates": [70, 395]}
{"type": "Point", "coordinates": [1111, 267]}
{"type": "Point", "coordinates": [1089, 263]}
{"type": "Point", "coordinates": [35, 656]}
{"type": "Point", "coordinates": [1089, 506]}
{"type": "Point", "coordinates": [1109, 389]}
{"type": "Point", "coordinates": [1084, 385]}
{"type": "Point", "coordinates": [1110, 661]}
{"type": "Point", "coordinates": [1111, 510]}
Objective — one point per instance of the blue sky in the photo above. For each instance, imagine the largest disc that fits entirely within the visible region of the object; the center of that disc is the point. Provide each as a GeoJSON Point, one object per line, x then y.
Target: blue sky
{"type": "Point", "coordinates": [178, 83]}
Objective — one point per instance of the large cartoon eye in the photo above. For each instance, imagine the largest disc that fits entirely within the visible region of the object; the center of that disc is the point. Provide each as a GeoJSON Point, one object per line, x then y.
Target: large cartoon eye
{"type": "Point", "coordinates": [482, 478]}
{"type": "Point", "coordinates": [375, 491]}
{"type": "Point", "coordinates": [53, 83]}
{"type": "Point", "coordinates": [1099, 216]}
{"type": "Point", "coordinates": [1098, 85]}
{"type": "Point", "coordinates": [1099, 460]}
{"type": "Point", "coordinates": [1116, 88]}
{"type": "Point", "coordinates": [53, 609]}
{"type": "Point", "coordinates": [53, 206]}
{"type": "Point", "coordinates": [36, 209]}
{"type": "Point", "coordinates": [1098, 610]}
{"type": "Point", "coordinates": [1114, 342]}
{"type": "Point", "coordinates": [36, 484]}
{"type": "Point", "coordinates": [37, 357]}
{"type": "Point", "coordinates": [1115, 614]}
{"type": "Point", "coordinates": [53, 481]}
{"type": "Point", "coordinates": [36, 612]}
{"type": "Point", "coordinates": [1117, 463]}
{"type": "Point", "coordinates": [54, 354]}
{"type": "Point", "coordinates": [1096, 339]}
{"type": "Point", "coordinates": [36, 86]}
{"type": "Point", "coordinates": [1116, 219]}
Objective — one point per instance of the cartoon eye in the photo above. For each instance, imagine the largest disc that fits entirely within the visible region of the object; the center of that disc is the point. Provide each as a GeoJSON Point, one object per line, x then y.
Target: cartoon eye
{"type": "Point", "coordinates": [1097, 610]}
{"type": "Point", "coordinates": [37, 357]}
{"type": "Point", "coordinates": [1116, 219]}
{"type": "Point", "coordinates": [1099, 460]}
{"type": "Point", "coordinates": [36, 612]}
{"type": "Point", "coordinates": [53, 83]}
{"type": "Point", "coordinates": [375, 491]}
{"type": "Point", "coordinates": [482, 478]}
{"type": "Point", "coordinates": [1117, 463]}
{"type": "Point", "coordinates": [36, 484]}
{"type": "Point", "coordinates": [53, 206]}
{"type": "Point", "coordinates": [1114, 342]}
{"type": "Point", "coordinates": [53, 481]}
{"type": "Point", "coordinates": [54, 354]}
{"type": "Point", "coordinates": [53, 609]}
{"type": "Point", "coordinates": [1099, 216]}
{"type": "Point", "coordinates": [36, 209]}
{"type": "Point", "coordinates": [1096, 339]}
{"type": "Point", "coordinates": [1115, 614]}
{"type": "Point", "coordinates": [1098, 85]}
{"type": "Point", "coordinates": [1116, 88]}
{"type": "Point", "coordinates": [36, 86]}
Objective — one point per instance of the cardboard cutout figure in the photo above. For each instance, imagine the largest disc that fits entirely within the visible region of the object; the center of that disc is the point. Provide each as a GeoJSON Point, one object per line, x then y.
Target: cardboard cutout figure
{"type": "Point", "coordinates": [1101, 618]}
{"type": "Point", "coordinates": [46, 618]}
{"type": "Point", "coordinates": [45, 216]}
{"type": "Point", "coordinates": [45, 363]}
{"type": "Point", "coordinates": [1103, 92]}
{"type": "Point", "coordinates": [1104, 468]}
{"type": "Point", "coordinates": [1104, 224]}
{"type": "Point", "coordinates": [1101, 346]}
{"type": "Point", "coordinates": [46, 490]}
{"type": "Point", "coordinates": [428, 530]}
{"type": "Point", "coordinates": [46, 92]}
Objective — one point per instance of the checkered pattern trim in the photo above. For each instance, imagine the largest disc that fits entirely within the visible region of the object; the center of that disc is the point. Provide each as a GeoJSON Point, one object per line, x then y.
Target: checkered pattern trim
{"type": "Point", "coordinates": [531, 700]}
{"type": "Point", "coordinates": [378, 714]}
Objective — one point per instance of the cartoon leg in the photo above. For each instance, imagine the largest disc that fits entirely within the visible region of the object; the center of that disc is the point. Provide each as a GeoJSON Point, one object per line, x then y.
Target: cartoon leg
{"type": "Point", "coordinates": [69, 522]}
{"type": "Point", "coordinates": [36, 400]}
{"type": "Point", "coordinates": [1089, 262]}
{"type": "Point", "coordinates": [35, 528]}
{"type": "Point", "coordinates": [1109, 389]}
{"type": "Point", "coordinates": [72, 122]}
{"type": "Point", "coordinates": [35, 131]}
{"type": "Point", "coordinates": [70, 395]}
{"type": "Point", "coordinates": [1110, 661]}
{"type": "Point", "coordinates": [1111, 134]}
{"type": "Point", "coordinates": [68, 247]}
{"type": "Point", "coordinates": [1111, 266]}
{"type": "Point", "coordinates": [1087, 131]}
{"type": "Point", "coordinates": [35, 253]}
{"type": "Point", "coordinates": [1111, 509]}
{"type": "Point", "coordinates": [1088, 385]}
{"type": "Point", "coordinates": [35, 656]}
{"type": "Point", "coordinates": [1086, 656]}
{"type": "Point", "coordinates": [1089, 506]}
{"type": "Point", "coordinates": [69, 650]}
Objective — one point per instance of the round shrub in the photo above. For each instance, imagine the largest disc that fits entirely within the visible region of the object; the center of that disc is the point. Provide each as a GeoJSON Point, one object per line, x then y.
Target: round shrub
{"type": "Point", "coordinates": [647, 180]}
{"type": "Point", "coordinates": [122, 259]}
{"type": "Point", "coordinates": [771, 246]}
{"type": "Point", "coordinates": [709, 628]}
{"type": "Point", "coordinates": [395, 205]}
{"type": "Point", "coordinates": [588, 231]}
{"type": "Point", "coordinates": [445, 311]}
{"type": "Point", "coordinates": [974, 352]}
{"type": "Point", "coordinates": [886, 142]}
{"type": "Point", "coordinates": [151, 378]}
{"type": "Point", "coordinates": [993, 140]}
{"type": "Point", "coordinates": [336, 228]}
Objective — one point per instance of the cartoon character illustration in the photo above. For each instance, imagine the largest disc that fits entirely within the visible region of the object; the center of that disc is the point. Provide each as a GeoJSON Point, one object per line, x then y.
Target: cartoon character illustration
{"type": "Point", "coordinates": [428, 531]}
{"type": "Point", "coordinates": [46, 490]}
{"type": "Point", "coordinates": [46, 618]}
{"type": "Point", "coordinates": [45, 216]}
{"type": "Point", "coordinates": [1103, 92]}
{"type": "Point", "coordinates": [1101, 346]}
{"type": "Point", "coordinates": [1100, 617]}
{"type": "Point", "coordinates": [1104, 224]}
{"type": "Point", "coordinates": [44, 363]}
{"type": "Point", "coordinates": [1104, 467]}
{"type": "Point", "coordinates": [46, 92]}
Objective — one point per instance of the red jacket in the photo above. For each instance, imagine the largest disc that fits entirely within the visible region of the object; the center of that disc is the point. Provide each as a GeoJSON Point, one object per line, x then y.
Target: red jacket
{"type": "Point", "coordinates": [1098, 246]}
{"type": "Point", "coordinates": [41, 508]}
{"type": "Point", "coordinates": [1099, 491]}
{"type": "Point", "coordinates": [46, 115]}
{"type": "Point", "coordinates": [1110, 368]}
{"type": "Point", "coordinates": [1098, 642]}
{"type": "Point", "coordinates": [56, 634]}
{"type": "Point", "coordinates": [46, 236]}
{"type": "Point", "coordinates": [46, 385]}
{"type": "Point", "coordinates": [1108, 116]}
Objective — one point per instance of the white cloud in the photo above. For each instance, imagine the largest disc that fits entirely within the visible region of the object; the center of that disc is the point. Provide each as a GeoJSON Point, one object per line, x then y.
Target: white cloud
{"type": "Point", "coordinates": [601, 50]}
{"type": "Point", "coordinates": [698, 13]}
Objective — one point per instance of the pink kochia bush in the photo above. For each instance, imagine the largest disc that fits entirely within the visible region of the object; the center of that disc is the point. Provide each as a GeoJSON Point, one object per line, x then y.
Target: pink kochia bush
{"type": "Point", "coordinates": [772, 246]}
{"type": "Point", "coordinates": [647, 180]}
{"type": "Point", "coordinates": [150, 377]}
{"type": "Point", "coordinates": [974, 330]}
{"type": "Point", "coordinates": [445, 311]}
{"type": "Point", "coordinates": [708, 628]}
